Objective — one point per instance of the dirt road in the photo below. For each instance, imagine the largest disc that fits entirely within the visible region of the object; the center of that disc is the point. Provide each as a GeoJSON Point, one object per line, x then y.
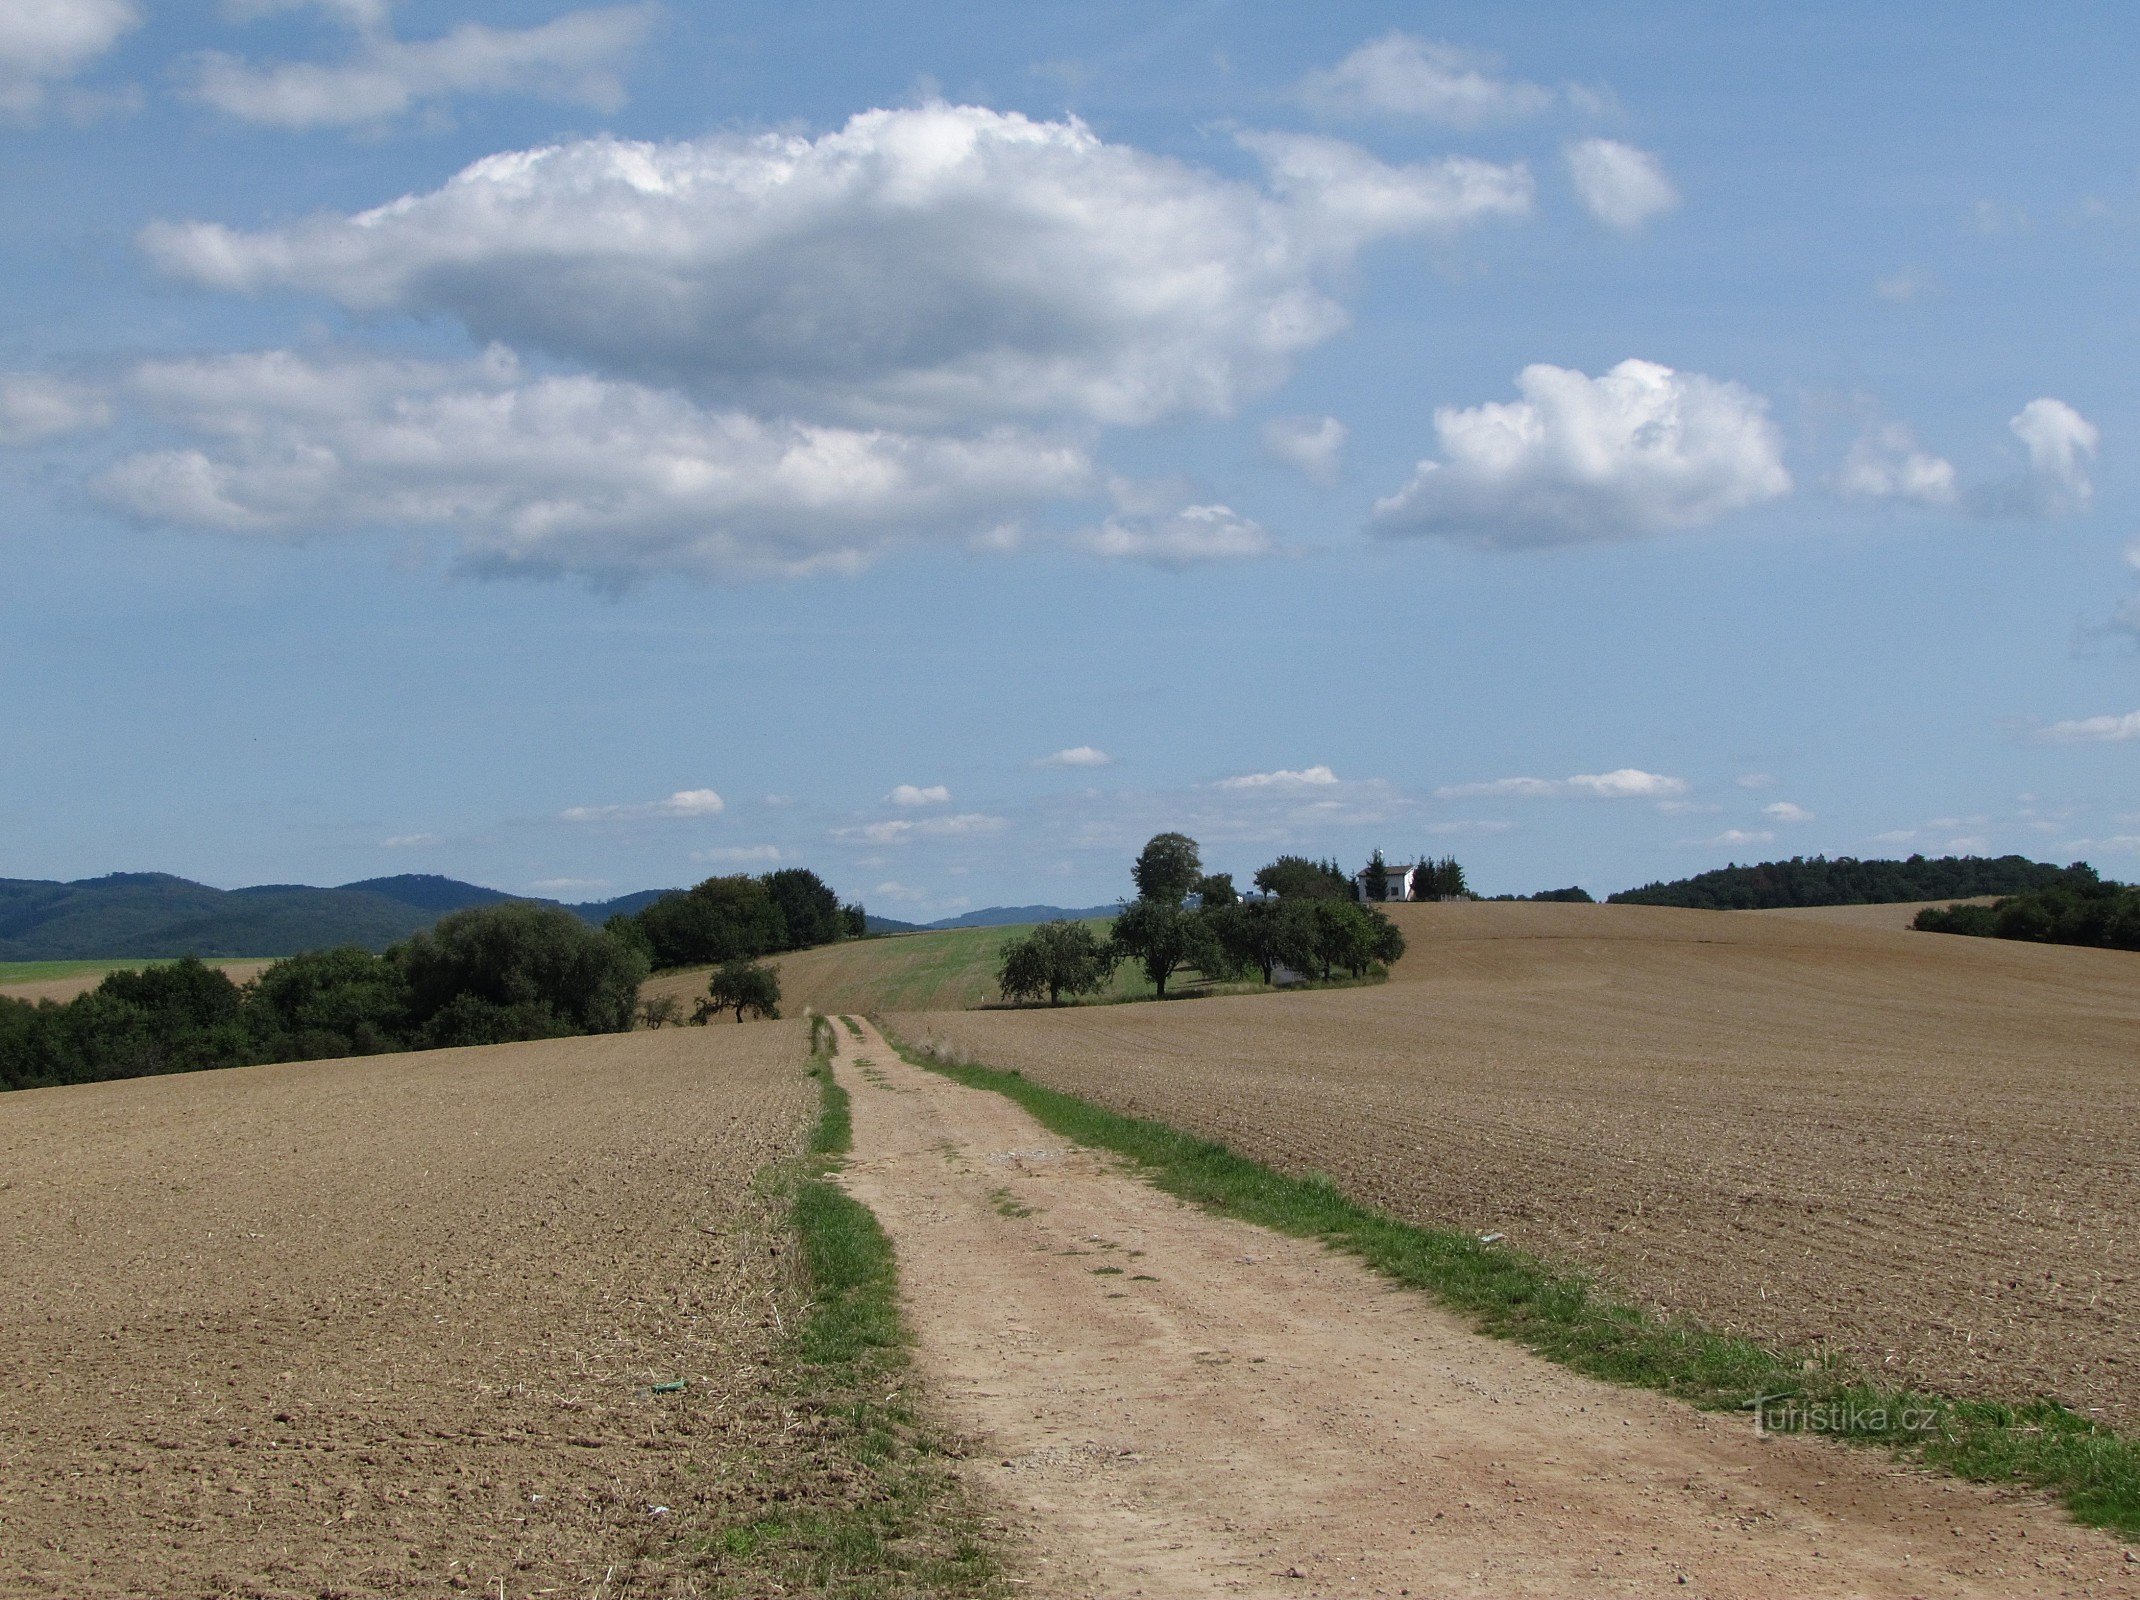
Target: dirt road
{"type": "Point", "coordinates": [1178, 1405]}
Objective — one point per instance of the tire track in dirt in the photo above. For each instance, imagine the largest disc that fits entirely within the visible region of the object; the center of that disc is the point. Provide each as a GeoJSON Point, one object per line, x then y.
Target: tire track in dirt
{"type": "Point", "coordinates": [1174, 1404]}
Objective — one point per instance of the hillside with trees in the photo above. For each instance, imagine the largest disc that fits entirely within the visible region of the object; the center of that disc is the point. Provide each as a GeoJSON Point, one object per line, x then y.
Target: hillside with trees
{"type": "Point", "coordinates": [1844, 881]}
{"type": "Point", "coordinates": [2080, 907]}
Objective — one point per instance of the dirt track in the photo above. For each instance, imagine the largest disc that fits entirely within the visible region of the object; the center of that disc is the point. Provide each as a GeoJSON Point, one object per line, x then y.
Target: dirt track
{"type": "Point", "coordinates": [1176, 1405]}
{"type": "Point", "coordinates": [1914, 1149]}
{"type": "Point", "coordinates": [387, 1326]}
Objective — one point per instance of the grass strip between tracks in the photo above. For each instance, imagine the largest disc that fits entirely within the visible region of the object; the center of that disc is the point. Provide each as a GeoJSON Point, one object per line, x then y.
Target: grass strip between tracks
{"type": "Point", "coordinates": [1563, 1316]}
{"type": "Point", "coordinates": [874, 1510]}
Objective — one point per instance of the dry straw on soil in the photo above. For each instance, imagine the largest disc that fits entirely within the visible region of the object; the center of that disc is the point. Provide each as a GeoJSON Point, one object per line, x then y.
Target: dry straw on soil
{"type": "Point", "coordinates": [1911, 1149]}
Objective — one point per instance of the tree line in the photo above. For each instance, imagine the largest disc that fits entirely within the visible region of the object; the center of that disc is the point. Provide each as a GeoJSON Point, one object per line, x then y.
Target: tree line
{"type": "Point", "coordinates": [739, 917]}
{"type": "Point", "coordinates": [1844, 881]}
{"type": "Point", "coordinates": [1185, 919]}
{"type": "Point", "coordinates": [488, 975]}
{"type": "Point", "coordinates": [2081, 907]}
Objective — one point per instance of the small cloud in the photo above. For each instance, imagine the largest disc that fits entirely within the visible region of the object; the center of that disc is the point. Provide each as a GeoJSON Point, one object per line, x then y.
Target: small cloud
{"type": "Point", "coordinates": [1480, 825]}
{"type": "Point", "coordinates": [1755, 780]}
{"type": "Point", "coordinates": [569, 885]}
{"type": "Point", "coordinates": [1739, 836]}
{"type": "Point", "coordinates": [1785, 811]}
{"type": "Point", "coordinates": [408, 841]}
{"type": "Point", "coordinates": [1911, 283]}
{"type": "Point", "coordinates": [2093, 730]}
{"type": "Point", "coordinates": [1400, 75]}
{"type": "Point", "coordinates": [2060, 442]}
{"type": "Point", "coordinates": [901, 830]}
{"type": "Point", "coordinates": [1078, 755]}
{"type": "Point", "coordinates": [1310, 445]}
{"type": "Point", "coordinates": [907, 794]}
{"type": "Point", "coordinates": [1886, 464]}
{"type": "Point", "coordinates": [777, 800]}
{"type": "Point", "coordinates": [1194, 536]}
{"type": "Point", "coordinates": [34, 407]}
{"type": "Point", "coordinates": [1305, 778]}
{"type": "Point", "coordinates": [1619, 185]}
{"type": "Point", "coordinates": [683, 803]}
{"type": "Point", "coordinates": [739, 854]}
{"type": "Point", "coordinates": [1627, 783]}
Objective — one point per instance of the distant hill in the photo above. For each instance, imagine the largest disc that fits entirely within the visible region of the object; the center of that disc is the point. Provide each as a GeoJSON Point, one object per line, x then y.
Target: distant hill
{"type": "Point", "coordinates": [990, 917]}
{"type": "Point", "coordinates": [153, 914]}
{"type": "Point", "coordinates": [1844, 881]}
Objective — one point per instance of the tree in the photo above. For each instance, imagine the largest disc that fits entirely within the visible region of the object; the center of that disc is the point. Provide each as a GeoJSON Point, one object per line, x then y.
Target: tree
{"type": "Point", "coordinates": [717, 921]}
{"type": "Point", "coordinates": [1216, 889]}
{"type": "Point", "coordinates": [1264, 935]}
{"type": "Point", "coordinates": [658, 1011]}
{"type": "Point", "coordinates": [1298, 878]}
{"type": "Point", "coordinates": [1377, 877]}
{"type": "Point", "coordinates": [345, 1002]}
{"type": "Point", "coordinates": [740, 986]}
{"type": "Point", "coordinates": [808, 907]}
{"type": "Point", "coordinates": [1162, 938]}
{"type": "Point", "coordinates": [1055, 959]}
{"type": "Point", "coordinates": [495, 973]}
{"type": "Point", "coordinates": [856, 920]}
{"type": "Point", "coordinates": [1167, 869]}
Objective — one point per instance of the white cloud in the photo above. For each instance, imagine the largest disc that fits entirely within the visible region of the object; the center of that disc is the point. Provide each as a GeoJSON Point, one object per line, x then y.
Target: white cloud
{"type": "Point", "coordinates": [569, 885]}
{"type": "Point", "coordinates": [1399, 75]}
{"type": "Point", "coordinates": [2093, 730]}
{"type": "Point", "coordinates": [1624, 783]}
{"type": "Point", "coordinates": [1886, 464]}
{"type": "Point", "coordinates": [1736, 836]}
{"type": "Point", "coordinates": [899, 892]}
{"type": "Point", "coordinates": [931, 266]}
{"type": "Point", "coordinates": [1191, 537]}
{"type": "Point", "coordinates": [1910, 283]}
{"type": "Point", "coordinates": [1755, 780]}
{"type": "Point", "coordinates": [739, 855]}
{"type": "Point", "coordinates": [904, 830]}
{"type": "Point", "coordinates": [683, 803]}
{"type": "Point", "coordinates": [34, 407]}
{"type": "Point", "coordinates": [907, 794]}
{"type": "Point", "coordinates": [409, 841]}
{"type": "Point", "coordinates": [573, 58]}
{"type": "Point", "coordinates": [1317, 777]}
{"type": "Point", "coordinates": [1308, 444]}
{"type": "Point", "coordinates": [558, 474]}
{"type": "Point", "coordinates": [1641, 450]}
{"type": "Point", "coordinates": [1619, 185]}
{"type": "Point", "coordinates": [1786, 811]}
{"type": "Point", "coordinates": [45, 42]}
{"type": "Point", "coordinates": [2060, 442]}
{"type": "Point", "coordinates": [1078, 755]}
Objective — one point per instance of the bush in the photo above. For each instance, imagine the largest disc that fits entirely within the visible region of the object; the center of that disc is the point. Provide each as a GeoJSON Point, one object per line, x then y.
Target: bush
{"type": "Point", "coordinates": [2080, 908]}
{"type": "Point", "coordinates": [345, 1002]}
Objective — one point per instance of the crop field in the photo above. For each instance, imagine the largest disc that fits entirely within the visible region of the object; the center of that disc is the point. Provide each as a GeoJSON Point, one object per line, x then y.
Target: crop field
{"type": "Point", "coordinates": [1912, 1150]}
{"type": "Point", "coordinates": [63, 980]}
{"type": "Point", "coordinates": [398, 1325]}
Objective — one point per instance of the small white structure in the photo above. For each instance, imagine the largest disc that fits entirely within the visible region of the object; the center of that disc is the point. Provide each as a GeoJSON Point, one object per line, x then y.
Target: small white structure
{"type": "Point", "coordinates": [1403, 880]}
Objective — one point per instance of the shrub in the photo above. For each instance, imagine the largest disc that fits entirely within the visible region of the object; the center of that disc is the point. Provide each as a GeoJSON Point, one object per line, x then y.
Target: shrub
{"type": "Point", "coordinates": [481, 973]}
{"type": "Point", "coordinates": [740, 986]}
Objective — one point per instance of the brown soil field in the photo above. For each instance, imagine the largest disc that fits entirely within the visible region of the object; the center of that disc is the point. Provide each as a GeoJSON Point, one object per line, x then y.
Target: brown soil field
{"type": "Point", "coordinates": [1899, 914]}
{"type": "Point", "coordinates": [390, 1326]}
{"type": "Point", "coordinates": [64, 989]}
{"type": "Point", "coordinates": [1913, 1150]}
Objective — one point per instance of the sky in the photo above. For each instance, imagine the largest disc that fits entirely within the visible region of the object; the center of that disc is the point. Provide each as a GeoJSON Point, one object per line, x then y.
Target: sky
{"type": "Point", "coordinates": [585, 450]}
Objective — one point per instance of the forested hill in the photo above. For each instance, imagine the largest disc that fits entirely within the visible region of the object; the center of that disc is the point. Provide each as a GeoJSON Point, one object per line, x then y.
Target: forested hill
{"type": "Point", "coordinates": [1844, 881]}
{"type": "Point", "coordinates": [153, 914]}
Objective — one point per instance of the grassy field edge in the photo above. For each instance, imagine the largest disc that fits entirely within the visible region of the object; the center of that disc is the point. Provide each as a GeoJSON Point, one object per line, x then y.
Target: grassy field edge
{"type": "Point", "coordinates": [1563, 1316]}
{"type": "Point", "coordinates": [899, 1523]}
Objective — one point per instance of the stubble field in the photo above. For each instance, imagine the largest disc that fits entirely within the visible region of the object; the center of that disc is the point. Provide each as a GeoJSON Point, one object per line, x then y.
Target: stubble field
{"type": "Point", "coordinates": [394, 1325]}
{"type": "Point", "coordinates": [1913, 1150]}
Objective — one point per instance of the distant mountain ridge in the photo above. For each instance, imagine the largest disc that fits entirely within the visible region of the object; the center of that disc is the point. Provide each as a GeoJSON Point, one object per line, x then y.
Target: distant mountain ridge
{"type": "Point", "coordinates": [156, 914]}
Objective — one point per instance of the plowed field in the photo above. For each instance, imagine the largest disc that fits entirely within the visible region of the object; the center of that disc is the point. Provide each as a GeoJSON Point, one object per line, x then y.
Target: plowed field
{"type": "Point", "coordinates": [1914, 1149]}
{"type": "Point", "coordinates": [390, 1326]}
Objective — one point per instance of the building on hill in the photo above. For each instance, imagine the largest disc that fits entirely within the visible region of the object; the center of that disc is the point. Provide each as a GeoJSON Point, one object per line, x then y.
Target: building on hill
{"type": "Point", "coordinates": [1405, 882]}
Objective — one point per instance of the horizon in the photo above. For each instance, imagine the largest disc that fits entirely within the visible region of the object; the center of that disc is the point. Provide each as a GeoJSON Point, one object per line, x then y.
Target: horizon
{"type": "Point", "coordinates": [943, 450]}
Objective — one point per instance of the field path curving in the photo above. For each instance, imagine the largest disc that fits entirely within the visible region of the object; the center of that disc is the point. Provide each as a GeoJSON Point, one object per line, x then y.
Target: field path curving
{"type": "Point", "coordinates": [1174, 1404]}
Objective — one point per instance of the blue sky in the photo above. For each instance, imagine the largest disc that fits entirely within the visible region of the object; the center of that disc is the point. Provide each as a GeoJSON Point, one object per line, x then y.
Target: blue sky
{"type": "Point", "coordinates": [582, 450]}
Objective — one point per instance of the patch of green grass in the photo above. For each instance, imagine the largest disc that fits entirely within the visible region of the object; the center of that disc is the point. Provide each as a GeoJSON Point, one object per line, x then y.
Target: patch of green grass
{"type": "Point", "coordinates": [42, 971]}
{"type": "Point", "coordinates": [879, 1513]}
{"type": "Point", "coordinates": [1564, 1316]}
{"type": "Point", "coordinates": [1007, 1205]}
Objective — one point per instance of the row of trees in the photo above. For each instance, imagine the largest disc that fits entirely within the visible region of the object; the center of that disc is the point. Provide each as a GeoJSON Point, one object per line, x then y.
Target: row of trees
{"type": "Point", "coordinates": [2079, 908]}
{"type": "Point", "coordinates": [1845, 881]}
{"type": "Point", "coordinates": [1186, 919]}
{"type": "Point", "coordinates": [488, 975]}
{"type": "Point", "coordinates": [739, 917]}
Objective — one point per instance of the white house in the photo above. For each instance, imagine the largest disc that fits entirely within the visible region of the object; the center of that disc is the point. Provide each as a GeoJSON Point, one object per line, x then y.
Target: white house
{"type": "Point", "coordinates": [1402, 880]}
